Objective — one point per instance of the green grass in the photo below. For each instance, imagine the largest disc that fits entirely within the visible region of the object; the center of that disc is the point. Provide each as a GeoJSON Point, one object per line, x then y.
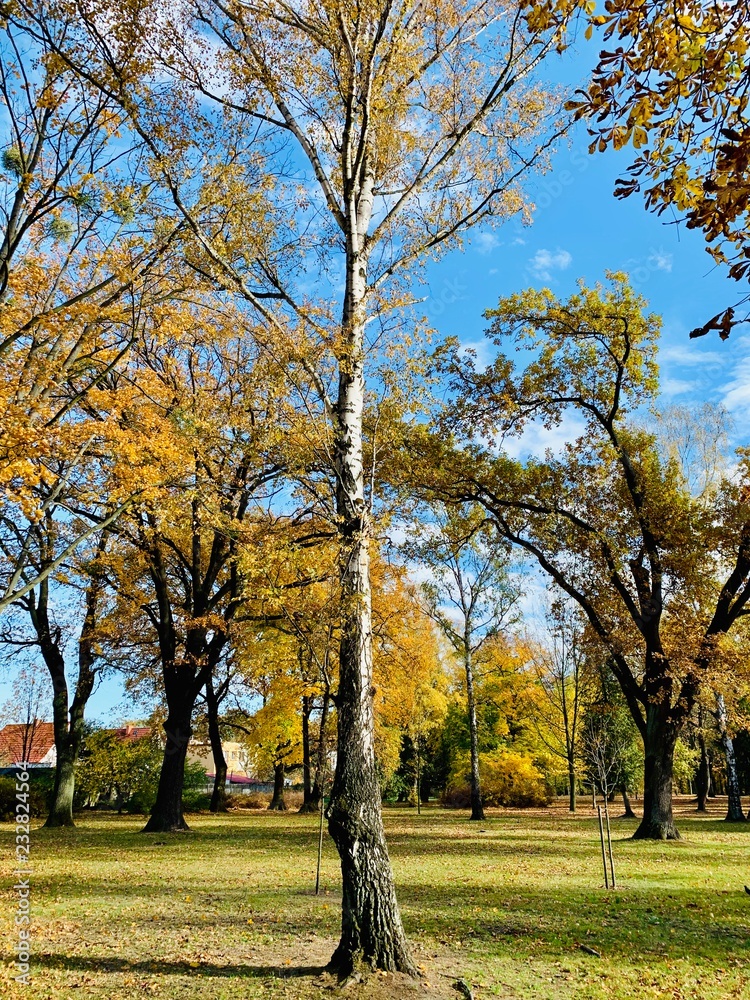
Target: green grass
{"type": "Point", "coordinates": [228, 910]}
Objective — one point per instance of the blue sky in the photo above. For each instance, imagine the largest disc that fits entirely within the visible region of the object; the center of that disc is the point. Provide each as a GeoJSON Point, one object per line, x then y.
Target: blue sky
{"type": "Point", "coordinates": [579, 230]}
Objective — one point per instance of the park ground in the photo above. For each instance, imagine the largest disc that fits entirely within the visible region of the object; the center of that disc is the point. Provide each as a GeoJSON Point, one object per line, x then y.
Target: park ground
{"type": "Point", "coordinates": [228, 911]}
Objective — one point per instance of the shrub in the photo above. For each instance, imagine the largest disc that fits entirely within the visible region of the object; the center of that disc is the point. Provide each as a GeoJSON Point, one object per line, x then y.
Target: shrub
{"type": "Point", "coordinates": [195, 798]}
{"type": "Point", "coordinates": [194, 801]}
{"type": "Point", "coordinates": [508, 778]}
{"type": "Point", "coordinates": [125, 769]}
{"type": "Point", "coordinates": [37, 801]}
{"type": "Point", "coordinates": [252, 800]}
{"type": "Point", "coordinates": [511, 779]}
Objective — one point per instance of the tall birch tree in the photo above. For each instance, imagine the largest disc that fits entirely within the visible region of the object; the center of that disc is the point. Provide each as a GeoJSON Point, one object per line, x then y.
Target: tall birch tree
{"type": "Point", "coordinates": [395, 127]}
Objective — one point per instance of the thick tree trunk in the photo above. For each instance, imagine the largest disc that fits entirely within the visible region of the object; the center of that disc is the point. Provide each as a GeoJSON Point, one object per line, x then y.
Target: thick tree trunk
{"type": "Point", "coordinates": [277, 801]}
{"type": "Point", "coordinates": [659, 742]}
{"type": "Point", "coordinates": [371, 930]}
{"type": "Point", "coordinates": [628, 814]}
{"type": "Point", "coordinates": [477, 810]}
{"type": "Point", "coordinates": [571, 786]}
{"type": "Point", "coordinates": [167, 816]}
{"type": "Point", "coordinates": [219, 793]}
{"type": "Point", "coordinates": [68, 749]}
{"type": "Point", "coordinates": [372, 934]}
{"type": "Point", "coordinates": [61, 810]}
{"type": "Point", "coordinates": [734, 810]}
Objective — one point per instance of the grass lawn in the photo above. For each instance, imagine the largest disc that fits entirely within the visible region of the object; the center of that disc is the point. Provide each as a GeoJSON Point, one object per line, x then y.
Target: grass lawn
{"type": "Point", "coordinates": [228, 910]}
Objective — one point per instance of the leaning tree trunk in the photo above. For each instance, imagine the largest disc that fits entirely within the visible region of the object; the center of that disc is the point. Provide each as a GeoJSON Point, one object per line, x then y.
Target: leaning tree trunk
{"type": "Point", "coordinates": [371, 930]}
{"type": "Point", "coordinates": [628, 814]}
{"type": "Point", "coordinates": [277, 801]}
{"type": "Point", "coordinates": [658, 744]}
{"type": "Point", "coordinates": [318, 790]}
{"type": "Point", "coordinates": [477, 810]}
{"type": "Point", "coordinates": [219, 793]}
{"type": "Point", "coordinates": [167, 816]}
{"type": "Point", "coordinates": [734, 809]}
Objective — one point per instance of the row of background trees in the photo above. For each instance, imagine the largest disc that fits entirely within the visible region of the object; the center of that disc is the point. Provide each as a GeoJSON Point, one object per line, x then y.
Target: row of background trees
{"type": "Point", "coordinates": [549, 719]}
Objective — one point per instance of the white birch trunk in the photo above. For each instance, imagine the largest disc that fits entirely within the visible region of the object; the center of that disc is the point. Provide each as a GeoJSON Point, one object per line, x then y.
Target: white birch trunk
{"type": "Point", "coordinates": [372, 933]}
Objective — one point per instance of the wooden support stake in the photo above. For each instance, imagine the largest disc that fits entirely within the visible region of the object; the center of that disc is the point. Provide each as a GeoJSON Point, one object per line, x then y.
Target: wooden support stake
{"type": "Point", "coordinates": [320, 834]}
{"type": "Point", "coordinates": [609, 844]}
{"type": "Point", "coordinates": [604, 856]}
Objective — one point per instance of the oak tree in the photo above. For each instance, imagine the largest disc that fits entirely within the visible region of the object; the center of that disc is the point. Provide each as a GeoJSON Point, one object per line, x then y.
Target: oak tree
{"type": "Point", "coordinates": [612, 524]}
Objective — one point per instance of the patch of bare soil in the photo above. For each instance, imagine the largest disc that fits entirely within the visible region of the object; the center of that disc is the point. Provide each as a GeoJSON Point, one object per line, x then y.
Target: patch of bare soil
{"type": "Point", "coordinates": [305, 969]}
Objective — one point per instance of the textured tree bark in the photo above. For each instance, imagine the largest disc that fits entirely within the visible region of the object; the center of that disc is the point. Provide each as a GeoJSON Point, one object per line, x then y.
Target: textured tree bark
{"type": "Point", "coordinates": [477, 810]}
{"type": "Point", "coordinates": [68, 743]}
{"type": "Point", "coordinates": [61, 810]}
{"type": "Point", "coordinates": [277, 800]}
{"type": "Point", "coordinates": [372, 934]}
{"type": "Point", "coordinates": [659, 744]}
{"type": "Point", "coordinates": [167, 816]}
{"type": "Point", "coordinates": [371, 930]}
{"type": "Point", "coordinates": [734, 806]}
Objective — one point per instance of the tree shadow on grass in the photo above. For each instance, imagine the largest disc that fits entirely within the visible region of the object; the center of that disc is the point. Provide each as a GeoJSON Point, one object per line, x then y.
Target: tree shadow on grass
{"type": "Point", "coordinates": [79, 963]}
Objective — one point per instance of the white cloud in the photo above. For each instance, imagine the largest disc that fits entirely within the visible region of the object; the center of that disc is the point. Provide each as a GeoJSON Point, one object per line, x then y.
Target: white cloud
{"type": "Point", "coordinates": [486, 242]}
{"type": "Point", "coordinates": [538, 439]}
{"type": "Point", "coordinates": [544, 262]}
{"type": "Point", "coordinates": [660, 261]}
{"type": "Point", "coordinates": [483, 350]}
{"type": "Point", "coordinates": [691, 356]}
{"type": "Point", "coordinates": [676, 386]}
{"type": "Point", "coordinates": [737, 395]}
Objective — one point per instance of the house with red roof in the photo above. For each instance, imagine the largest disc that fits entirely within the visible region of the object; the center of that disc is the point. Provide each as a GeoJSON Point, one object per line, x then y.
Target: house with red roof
{"type": "Point", "coordinates": [32, 743]}
{"type": "Point", "coordinates": [129, 733]}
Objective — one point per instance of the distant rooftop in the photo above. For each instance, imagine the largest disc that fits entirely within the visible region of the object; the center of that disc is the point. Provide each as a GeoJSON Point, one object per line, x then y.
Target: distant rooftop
{"type": "Point", "coordinates": [32, 741]}
{"type": "Point", "coordinates": [130, 732]}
